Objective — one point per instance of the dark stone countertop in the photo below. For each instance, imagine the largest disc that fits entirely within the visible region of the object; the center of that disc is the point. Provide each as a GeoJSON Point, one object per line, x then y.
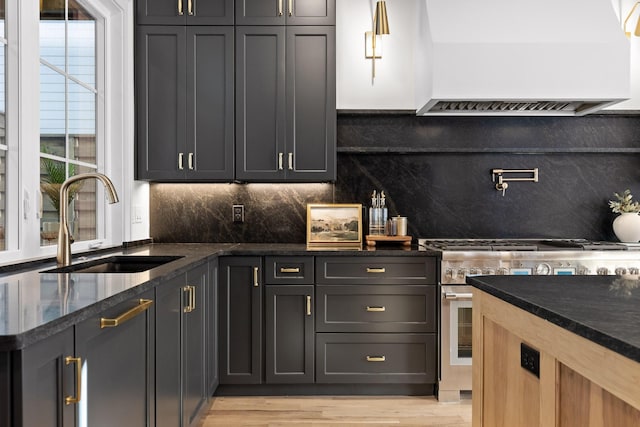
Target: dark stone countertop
{"type": "Point", "coordinates": [35, 305]}
{"type": "Point", "coordinates": [602, 309]}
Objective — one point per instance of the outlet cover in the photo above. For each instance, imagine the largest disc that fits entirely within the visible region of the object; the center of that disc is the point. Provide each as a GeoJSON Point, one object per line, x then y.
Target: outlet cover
{"type": "Point", "coordinates": [238, 213]}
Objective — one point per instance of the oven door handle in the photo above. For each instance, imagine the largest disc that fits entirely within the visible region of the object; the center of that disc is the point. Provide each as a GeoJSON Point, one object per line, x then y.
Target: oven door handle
{"type": "Point", "coordinates": [458, 295]}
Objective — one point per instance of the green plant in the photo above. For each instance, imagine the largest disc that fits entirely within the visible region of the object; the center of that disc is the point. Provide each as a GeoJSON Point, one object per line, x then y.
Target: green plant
{"type": "Point", "coordinates": [623, 203]}
{"type": "Point", "coordinates": [54, 177]}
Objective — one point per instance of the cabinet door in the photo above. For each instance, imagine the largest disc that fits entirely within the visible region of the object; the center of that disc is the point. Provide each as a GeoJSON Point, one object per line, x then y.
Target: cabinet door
{"type": "Point", "coordinates": [289, 334]}
{"type": "Point", "coordinates": [240, 320]}
{"type": "Point", "coordinates": [311, 104]}
{"type": "Point", "coordinates": [193, 363]}
{"type": "Point", "coordinates": [46, 381]}
{"type": "Point", "coordinates": [169, 300]}
{"type": "Point", "coordinates": [184, 12]}
{"type": "Point", "coordinates": [116, 365]}
{"type": "Point", "coordinates": [210, 101]}
{"type": "Point", "coordinates": [212, 329]}
{"type": "Point", "coordinates": [289, 12]}
{"type": "Point", "coordinates": [161, 102]}
{"type": "Point", "coordinates": [260, 103]}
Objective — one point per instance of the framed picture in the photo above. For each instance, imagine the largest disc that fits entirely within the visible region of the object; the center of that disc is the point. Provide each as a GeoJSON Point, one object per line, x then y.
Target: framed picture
{"type": "Point", "coordinates": [334, 225]}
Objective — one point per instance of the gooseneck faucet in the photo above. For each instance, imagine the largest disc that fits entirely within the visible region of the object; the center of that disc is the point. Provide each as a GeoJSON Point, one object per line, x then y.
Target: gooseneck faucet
{"type": "Point", "coordinates": [64, 237]}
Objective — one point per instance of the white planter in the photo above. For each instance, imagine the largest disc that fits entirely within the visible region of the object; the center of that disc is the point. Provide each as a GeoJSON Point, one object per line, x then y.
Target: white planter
{"type": "Point", "coordinates": [627, 227]}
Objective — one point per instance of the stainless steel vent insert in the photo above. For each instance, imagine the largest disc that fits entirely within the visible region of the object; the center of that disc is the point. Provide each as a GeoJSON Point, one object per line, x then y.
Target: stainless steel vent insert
{"type": "Point", "coordinates": [512, 107]}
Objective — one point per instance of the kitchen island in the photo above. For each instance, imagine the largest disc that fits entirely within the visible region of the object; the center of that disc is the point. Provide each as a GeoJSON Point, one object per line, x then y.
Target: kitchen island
{"type": "Point", "coordinates": [556, 351]}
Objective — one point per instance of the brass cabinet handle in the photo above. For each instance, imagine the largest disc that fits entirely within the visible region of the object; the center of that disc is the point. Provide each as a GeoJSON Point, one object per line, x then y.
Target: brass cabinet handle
{"type": "Point", "coordinates": [191, 298]}
{"type": "Point", "coordinates": [308, 305]}
{"type": "Point", "coordinates": [180, 11]}
{"type": "Point", "coordinates": [280, 161]}
{"type": "Point", "coordinates": [255, 277]}
{"type": "Point", "coordinates": [290, 161]}
{"type": "Point", "coordinates": [375, 270]}
{"type": "Point", "coordinates": [190, 161]}
{"type": "Point", "coordinates": [376, 358]}
{"type": "Point", "coordinates": [143, 304]}
{"type": "Point", "coordinates": [190, 7]}
{"type": "Point", "coordinates": [289, 270]}
{"type": "Point", "coordinates": [181, 159]}
{"type": "Point", "coordinates": [376, 309]}
{"type": "Point", "coordinates": [78, 361]}
{"type": "Point", "coordinates": [279, 7]}
{"type": "Point", "coordinates": [290, 7]}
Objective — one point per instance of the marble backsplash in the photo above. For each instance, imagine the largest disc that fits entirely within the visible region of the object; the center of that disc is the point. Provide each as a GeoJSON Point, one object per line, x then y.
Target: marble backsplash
{"type": "Point", "coordinates": [435, 171]}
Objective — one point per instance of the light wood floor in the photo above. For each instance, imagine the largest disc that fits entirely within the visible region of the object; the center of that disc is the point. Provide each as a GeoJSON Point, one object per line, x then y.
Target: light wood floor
{"type": "Point", "coordinates": [337, 411]}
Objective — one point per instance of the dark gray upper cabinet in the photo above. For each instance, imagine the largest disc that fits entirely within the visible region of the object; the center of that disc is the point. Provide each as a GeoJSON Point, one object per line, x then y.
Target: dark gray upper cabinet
{"type": "Point", "coordinates": [117, 364]}
{"type": "Point", "coordinates": [240, 306]}
{"type": "Point", "coordinates": [285, 104]}
{"type": "Point", "coordinates": [285, 12]}
{"type": "Point", "coordinates": [184, 103]}
{"type": "Point", "coordinates": [184, 12]}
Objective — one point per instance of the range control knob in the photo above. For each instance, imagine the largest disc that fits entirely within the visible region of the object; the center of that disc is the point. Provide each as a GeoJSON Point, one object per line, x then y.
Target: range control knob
{"type": "Point", "coordinates": [543, 269]}
{"type": "Point", "coordinates": [474, 271]}
{"type": "Point", "coordinates": [488, 271]}
{"type": "Point", "coordinates": [620, 271]}
{"type": "Point", "coordinates": [634, 270]}
{"type": "Point", "coordinates": [449, 273]}
{"type": "Point", "coordinates": [502, 271]}
{"type": "Point", "coordinates": [462, 273]}
{"type": "Point", "coordinates": [584, 271]}
{"type": "Point", "coordinates": [602, 271]}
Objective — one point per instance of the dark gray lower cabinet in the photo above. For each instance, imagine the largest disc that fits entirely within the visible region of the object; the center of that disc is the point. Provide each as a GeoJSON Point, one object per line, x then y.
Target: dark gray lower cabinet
{"type": "Point", "coordinates": [290, 337]}
{"type": "Point", "coordinates": [45, 382]}
{"type": "Point", "coordinates": [211, 334]}
{"type": "Point", "coordinates": [117, 353]}
{"type": "Point", "coordinates": [376, 358]}
{"type": "Point", "coordinates": [180, 374]}
{"type": "Point", "coordinates": [241, 320]}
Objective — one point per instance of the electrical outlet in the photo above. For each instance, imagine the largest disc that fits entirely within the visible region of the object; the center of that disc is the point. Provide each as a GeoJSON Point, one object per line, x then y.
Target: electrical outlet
{"type": "Point", "coordinates": [530, 359]}
{"type": "Point", "coordinates": [238, 213]}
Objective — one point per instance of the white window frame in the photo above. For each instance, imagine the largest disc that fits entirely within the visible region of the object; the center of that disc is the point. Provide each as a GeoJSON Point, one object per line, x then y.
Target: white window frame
{"type": "Point", "coordinates": [115, 129]}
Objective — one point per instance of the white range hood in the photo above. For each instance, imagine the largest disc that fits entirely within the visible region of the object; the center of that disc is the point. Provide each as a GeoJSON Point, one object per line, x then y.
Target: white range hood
{"type": "Point", "coordinates": [517, 57]}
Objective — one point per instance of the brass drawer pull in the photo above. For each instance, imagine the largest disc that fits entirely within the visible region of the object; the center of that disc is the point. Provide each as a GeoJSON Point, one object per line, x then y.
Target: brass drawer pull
{"type": "Point", "coordinates": [78, 361]}
{"type": "Point", "coordinates": [290, 161]}
{"type": "Point", "coordinates": [290, 7]}
{"type": "Point", "coordinates": [289, 270]}
{"type": "Point", "coordinates": [191, 301]}
{"type": "Point", "coordinates": [180, 11]}
{"type": "Point", "coordinates": [190, 161]}
{"type": "Point", "coordinates": [181, 161]}
{"type": "Point", "coordinates": [280, 167]}
{"type": "Point", "coordinates": [375, 270]}
{"type": "Point", "coordinates": [255, 277]}
{"type": "Point", "coordinates": [143, 304]}
{"type": "Point", "coordinates": [279, 7]}
{"type": "Point", "coordinates": [190, 7]}
{"type": "Point", "coordinates": [376, 309]}
{"type": "Point", "coordinates": [308, 305]}
{"type": "Point", "coordinates": [376, 358]}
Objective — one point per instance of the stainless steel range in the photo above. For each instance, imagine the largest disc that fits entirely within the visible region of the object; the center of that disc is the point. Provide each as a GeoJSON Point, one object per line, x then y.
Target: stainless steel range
{"type": "Point", "coordinates": [462, 258]}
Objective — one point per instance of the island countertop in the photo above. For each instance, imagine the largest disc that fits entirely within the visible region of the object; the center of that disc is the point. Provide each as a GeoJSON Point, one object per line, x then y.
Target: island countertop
{"type": "Point", "coordinates": [602, 309]}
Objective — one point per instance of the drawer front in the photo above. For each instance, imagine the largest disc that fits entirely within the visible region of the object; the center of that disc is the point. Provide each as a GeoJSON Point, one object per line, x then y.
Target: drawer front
{"type": "Point", "coordinates": [362, 308]}
{"type": "Point", "coordinates": [375, 358]}
{"type": "Point", "coordinates": [376, 270]}
{"type": "Point", "coordinates": [294, 270]}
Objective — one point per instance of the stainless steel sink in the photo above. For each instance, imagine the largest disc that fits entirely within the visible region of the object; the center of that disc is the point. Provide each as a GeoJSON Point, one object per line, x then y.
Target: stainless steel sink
{"type": "Point", "coordinates": [117, 264]}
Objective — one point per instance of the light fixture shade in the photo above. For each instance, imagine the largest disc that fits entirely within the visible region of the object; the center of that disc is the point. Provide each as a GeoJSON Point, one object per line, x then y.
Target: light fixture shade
{"type": "Point", "coordinates": [626, 21]}
{"type": "Point", "coordinates": [380, 22]}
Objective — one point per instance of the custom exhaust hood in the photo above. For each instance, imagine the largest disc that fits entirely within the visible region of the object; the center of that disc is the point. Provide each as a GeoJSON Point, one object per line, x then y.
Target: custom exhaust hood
{"type": "Point", "coordinates": [516, 57]}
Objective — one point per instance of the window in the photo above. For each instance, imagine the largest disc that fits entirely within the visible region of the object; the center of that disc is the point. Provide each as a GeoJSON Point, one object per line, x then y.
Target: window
{"type": "Point", "coordinates": [65, 67]}
{"type": "Point", "coordinates": [3, 130]}
{"type": "Point", "coordinates": [68, 97]}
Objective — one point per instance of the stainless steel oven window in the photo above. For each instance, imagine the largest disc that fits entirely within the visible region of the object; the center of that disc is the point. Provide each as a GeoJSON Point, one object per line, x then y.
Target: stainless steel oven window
{"type": "Point", "coordinates": [460, 332]}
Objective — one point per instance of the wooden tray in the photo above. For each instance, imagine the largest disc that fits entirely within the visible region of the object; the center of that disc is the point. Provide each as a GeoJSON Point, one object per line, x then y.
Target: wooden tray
{"type": "Point", "coordinates": [373, 239]}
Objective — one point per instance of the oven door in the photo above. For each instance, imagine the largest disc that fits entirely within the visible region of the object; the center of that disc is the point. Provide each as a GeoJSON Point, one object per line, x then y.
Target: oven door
{"type": "Point", "coordinates": [456, 338]}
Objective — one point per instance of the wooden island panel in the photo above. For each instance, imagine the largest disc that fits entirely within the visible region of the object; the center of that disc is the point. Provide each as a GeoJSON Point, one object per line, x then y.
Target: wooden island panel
{"type": "Point", "coordinates": [581, 383]}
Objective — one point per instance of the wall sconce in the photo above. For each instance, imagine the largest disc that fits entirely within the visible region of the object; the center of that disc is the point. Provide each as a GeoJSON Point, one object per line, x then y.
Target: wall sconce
{"type": "Point", "coordinates": [637, 31]}
{"type": "Point", "coordinates": [373, 38]}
